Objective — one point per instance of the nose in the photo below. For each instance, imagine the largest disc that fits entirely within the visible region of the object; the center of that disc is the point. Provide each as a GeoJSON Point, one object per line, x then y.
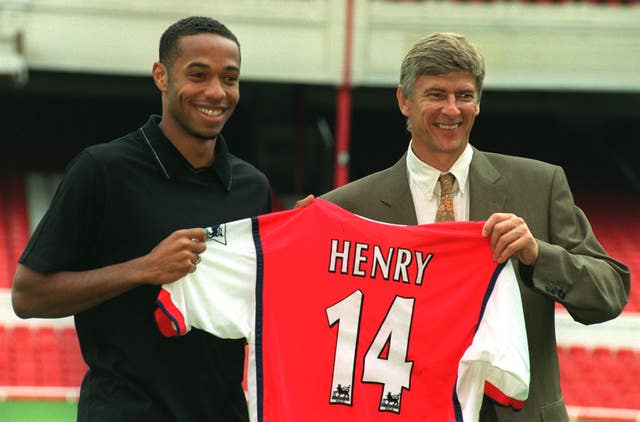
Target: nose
{"type": "Point", "coordinates": [215, 89]}
{"type": "Point", "coordinates": [451, 107]}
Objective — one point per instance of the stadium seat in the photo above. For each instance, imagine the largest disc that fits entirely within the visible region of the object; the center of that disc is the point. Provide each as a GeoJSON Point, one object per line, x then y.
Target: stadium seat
{"type": "Point", "coordinates": [613, 215]}
{"type": "Point", "coordinates": [600, 377]}
{"type": "Point", "coordinates": [14, 223]}
{"type": "Point", "coordinates": [73, 366]}
{"type": "Point", "coordinates": [5, 359]}
{"type": "Point", "coordinates": [5, 257]}
{"type": "Point", "coordinates": [17, 219]}
{"type": "Point", "coordinates": [41, 357]}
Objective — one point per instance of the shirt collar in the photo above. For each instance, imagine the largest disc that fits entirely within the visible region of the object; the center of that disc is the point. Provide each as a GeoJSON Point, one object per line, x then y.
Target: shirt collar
{"type": "Point", "coordinates": [171, 162]}
{"type": "Point", "coordinates": [425, 177]}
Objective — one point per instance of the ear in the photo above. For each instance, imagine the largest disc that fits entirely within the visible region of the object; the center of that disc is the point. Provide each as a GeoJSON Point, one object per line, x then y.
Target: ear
{"type": "Point", "coordinates": [476, 109]}
{"type": "Point", "coordinates": [403, 102]}
{"type": "Point", "coordinates": [160, 76]}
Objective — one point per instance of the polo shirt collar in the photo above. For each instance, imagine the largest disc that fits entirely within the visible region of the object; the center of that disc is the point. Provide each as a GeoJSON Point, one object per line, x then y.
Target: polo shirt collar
{"type": "Point", "coordinates": [172, 163]}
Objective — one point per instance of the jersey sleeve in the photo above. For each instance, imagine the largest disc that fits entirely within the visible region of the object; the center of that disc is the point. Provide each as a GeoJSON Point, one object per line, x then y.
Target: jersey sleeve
{"type": "Point", "coordinates": [219, 297]}
{"type": "Point", "coordinates": [66, 234]}
{"type": "Point", "coordinates": [497, 362]}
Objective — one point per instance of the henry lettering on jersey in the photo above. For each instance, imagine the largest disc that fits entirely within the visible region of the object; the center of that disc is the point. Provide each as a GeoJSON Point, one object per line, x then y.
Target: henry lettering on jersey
{"type": "Point", "coordinates": [362, 260]}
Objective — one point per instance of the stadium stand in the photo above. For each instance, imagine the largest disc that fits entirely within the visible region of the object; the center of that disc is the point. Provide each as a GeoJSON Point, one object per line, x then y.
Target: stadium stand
{"type": "Point", "coordinates": [601, 383]}
{"type": "Point", "coordinates": [40, 362]}
{"type": "Point", "coordinates": [613, 215]}
{"type": "Point", "coordinates": [14, 226]}
{"type": "Point", "coordinates": [5, 259]}
{"type": "Point", "coordinates": [600, 377]}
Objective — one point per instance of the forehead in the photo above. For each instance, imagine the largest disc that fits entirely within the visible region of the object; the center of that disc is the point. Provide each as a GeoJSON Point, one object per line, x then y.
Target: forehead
{"type": "Point", "coordinates": [208, 49]}
{"type": "Point", "coordinates": [452, 81]}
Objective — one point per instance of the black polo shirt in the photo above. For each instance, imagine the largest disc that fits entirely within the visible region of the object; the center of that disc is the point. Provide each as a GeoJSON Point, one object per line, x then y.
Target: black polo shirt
{"type": "Point", "coordinates": [116, 202]}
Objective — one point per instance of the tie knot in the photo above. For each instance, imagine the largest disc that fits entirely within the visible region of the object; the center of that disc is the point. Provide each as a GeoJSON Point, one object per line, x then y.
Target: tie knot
{"type": "Point", "coordinates": [447, 182]}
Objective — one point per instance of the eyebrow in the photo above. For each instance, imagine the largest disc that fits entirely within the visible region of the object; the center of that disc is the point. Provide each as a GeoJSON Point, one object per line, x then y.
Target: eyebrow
{"type": "Point", "coordinates": [438, 89]}
{"type": "Point", "coordinates": [205, 65]}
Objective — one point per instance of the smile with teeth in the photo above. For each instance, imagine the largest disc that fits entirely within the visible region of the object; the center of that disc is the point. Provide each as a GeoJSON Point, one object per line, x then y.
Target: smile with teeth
{"type": "Point", "coordinates": [210, 112]}
{"type": "Point", "coordinates": [447, 127]}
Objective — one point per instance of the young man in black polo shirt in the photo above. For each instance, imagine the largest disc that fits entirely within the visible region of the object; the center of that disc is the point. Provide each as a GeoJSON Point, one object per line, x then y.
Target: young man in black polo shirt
{"type": "Point", "coordinates": [118, 227]}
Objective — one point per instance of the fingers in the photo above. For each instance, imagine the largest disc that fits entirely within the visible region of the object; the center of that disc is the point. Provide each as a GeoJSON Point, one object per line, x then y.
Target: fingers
{"type": "Point", "coordinates": [510, 236]}
{"type": "Point", "coordinates": [192, 240]}
{"type": "Point", "coordinates": [493, 220]}
{"type": "Point", "coordinates": [198, 234]}
{"type": "Point", "coordinates": [494, 228]}
{"type": "Point", "coordinates": [304, 202]}
{"type": "Point", "coordinates": [195, 245]}
{"type": "Point", "coordinates": [509, 244]}
{"type": "Point", "coordinates": [194, 263]}
{"type": "Point", "coordinates": [198, 246]}
{"type": "Point", "coordinates": [176, 256]}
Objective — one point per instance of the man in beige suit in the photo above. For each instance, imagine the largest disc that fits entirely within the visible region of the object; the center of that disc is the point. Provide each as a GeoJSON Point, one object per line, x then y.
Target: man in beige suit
{"type": "Point", "coordinates": [528, 207]}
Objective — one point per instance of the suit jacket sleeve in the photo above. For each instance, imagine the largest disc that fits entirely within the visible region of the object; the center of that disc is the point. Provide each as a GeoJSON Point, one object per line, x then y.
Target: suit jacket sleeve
{"type": "Point", "coordinates": [573, 267]}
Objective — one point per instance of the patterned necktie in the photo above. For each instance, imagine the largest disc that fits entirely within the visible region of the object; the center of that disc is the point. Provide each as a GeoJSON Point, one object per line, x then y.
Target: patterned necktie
{"type": "Point", "coordinates": [445, 208]}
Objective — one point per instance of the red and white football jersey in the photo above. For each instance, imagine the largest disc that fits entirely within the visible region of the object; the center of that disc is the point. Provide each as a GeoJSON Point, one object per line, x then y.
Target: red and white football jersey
{"type": "Point", "coordinates": [349, 319]}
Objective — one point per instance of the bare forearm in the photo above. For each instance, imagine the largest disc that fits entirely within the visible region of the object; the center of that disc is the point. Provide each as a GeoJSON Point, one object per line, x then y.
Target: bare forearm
{"type": "Point", "coordinates": [67, 293]}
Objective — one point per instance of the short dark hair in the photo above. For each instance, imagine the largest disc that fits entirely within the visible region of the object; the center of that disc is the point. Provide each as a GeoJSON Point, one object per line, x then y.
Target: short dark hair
{"type": "Point", "coordinates": [192, 25]}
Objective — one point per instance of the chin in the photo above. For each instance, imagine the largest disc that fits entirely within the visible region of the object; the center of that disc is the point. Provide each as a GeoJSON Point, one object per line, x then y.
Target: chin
{"type": "Point", "coordinates": [206, 136]}
{"type": "Point", "coordinates": [210, 137]}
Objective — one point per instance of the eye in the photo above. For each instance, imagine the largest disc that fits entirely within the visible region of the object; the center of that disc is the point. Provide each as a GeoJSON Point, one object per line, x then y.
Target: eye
{"type": "Point", "coordinates": [435, 95]}
{"type": "Point", "coordinates": [467, 96]}
{"type": "Point", "coordinates": [196, 75]}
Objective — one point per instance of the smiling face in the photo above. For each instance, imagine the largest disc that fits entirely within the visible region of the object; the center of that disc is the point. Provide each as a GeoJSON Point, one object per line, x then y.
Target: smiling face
{"type": "Point", "coordinates": [201, 88]}
{"type": "Point", "coordinates": [441, 111]}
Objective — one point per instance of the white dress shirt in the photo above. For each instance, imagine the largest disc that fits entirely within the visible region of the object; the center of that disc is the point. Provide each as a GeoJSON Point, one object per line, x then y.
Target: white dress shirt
{"type": "Point", "coordinates": [425, 189]}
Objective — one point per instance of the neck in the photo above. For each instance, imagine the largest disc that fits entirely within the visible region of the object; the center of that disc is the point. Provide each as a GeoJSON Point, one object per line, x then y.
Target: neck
{"type": "Point", "coordinates": [197, 151]}
{"type": "Point", "coordinates": [200, 153]}
{"type": "Point", "coordinates": [441, 161]}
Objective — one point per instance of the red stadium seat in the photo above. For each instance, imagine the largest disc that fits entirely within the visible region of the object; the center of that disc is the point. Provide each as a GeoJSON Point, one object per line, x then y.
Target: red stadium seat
{"type": "Point", "coordinates": [14, 223]}
{"type": "Point", "coordinates": [40, 357]}
{"type": "Point", "coordinates": [600, 377]}
{"type": "Point", "coordinates": [613, 215]}
{"type": "Point", "coordinates": [5, 358]}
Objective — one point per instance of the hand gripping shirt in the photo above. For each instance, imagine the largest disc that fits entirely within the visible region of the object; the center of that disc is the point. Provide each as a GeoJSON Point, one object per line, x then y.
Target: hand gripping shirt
{"type": "Point", "coordinates": [349, 319]}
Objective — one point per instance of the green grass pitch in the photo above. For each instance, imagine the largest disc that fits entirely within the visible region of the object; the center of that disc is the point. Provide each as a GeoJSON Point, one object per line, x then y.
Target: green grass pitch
{"type": "Point", "coordinates": [37, 411]}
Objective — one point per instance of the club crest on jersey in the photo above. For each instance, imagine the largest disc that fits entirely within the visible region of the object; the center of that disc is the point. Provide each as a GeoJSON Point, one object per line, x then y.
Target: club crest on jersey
{"type": "Point", "coordinates": [217, 233]}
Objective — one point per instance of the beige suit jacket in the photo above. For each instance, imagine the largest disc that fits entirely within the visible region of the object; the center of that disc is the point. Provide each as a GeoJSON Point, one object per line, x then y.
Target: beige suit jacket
{"type": "Point", "coordinates": [572, 267]}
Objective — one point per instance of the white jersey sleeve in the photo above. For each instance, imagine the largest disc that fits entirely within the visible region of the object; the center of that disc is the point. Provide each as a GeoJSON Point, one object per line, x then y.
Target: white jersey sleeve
{"type": "Point", "coordinates": [219, 296]}
{"type": "Point", "coordinates": [497, 362]}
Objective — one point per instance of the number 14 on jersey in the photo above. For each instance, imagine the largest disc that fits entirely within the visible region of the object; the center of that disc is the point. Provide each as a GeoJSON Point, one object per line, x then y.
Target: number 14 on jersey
{"type": "Point", "coordinates": [393, 372]}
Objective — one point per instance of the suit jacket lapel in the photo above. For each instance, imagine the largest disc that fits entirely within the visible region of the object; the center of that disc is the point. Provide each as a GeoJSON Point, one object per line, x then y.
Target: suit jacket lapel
{"type": "Point", "coordinates": [395, 194]}
{"type": "Point", "coordinates": [486, 189]}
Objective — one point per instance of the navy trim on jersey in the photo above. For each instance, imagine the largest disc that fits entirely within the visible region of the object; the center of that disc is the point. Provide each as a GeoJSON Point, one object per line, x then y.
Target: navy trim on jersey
{"type": "Point", "coordinates": [457, 408]}
{"type": "Point", "coordinates": [255, 231]}
{"type": "Point", "coordinates": [487, 294]}
{"type": "Point", "coordinates": [169, 315]}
